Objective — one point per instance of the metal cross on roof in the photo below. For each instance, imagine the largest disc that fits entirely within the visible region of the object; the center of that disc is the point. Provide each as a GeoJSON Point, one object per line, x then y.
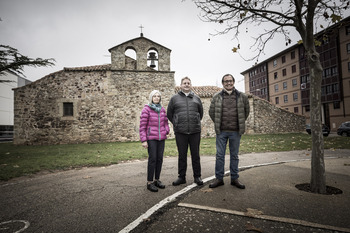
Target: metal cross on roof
{"type": "Point", "coordinates": [141, 29]}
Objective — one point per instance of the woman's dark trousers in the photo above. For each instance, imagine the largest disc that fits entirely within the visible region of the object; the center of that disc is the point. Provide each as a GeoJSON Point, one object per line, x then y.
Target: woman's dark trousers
{"type": "Point", "coordinates": [155, 158]}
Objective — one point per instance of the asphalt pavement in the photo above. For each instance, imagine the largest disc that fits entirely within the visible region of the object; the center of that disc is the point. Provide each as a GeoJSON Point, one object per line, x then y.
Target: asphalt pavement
{"type": "Point", "coordinates": [115, 198]}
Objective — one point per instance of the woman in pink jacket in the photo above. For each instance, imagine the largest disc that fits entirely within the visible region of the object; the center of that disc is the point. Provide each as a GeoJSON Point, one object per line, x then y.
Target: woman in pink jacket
{"type": "Point", "coordinates": [154, 129]}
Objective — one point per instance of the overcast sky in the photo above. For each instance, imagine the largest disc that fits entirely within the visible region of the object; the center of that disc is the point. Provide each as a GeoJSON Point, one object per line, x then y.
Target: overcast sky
{"type": "Point", "coordinates": [79, 33]}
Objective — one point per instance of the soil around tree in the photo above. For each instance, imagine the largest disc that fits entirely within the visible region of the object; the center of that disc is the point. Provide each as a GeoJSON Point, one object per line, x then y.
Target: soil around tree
{"type": "Point", "coordinates": [329, 189]}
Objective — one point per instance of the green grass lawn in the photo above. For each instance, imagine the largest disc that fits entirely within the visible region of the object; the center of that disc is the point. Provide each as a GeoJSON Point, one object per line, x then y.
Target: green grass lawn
{"type": "Point", "coordinates": [18, 161]}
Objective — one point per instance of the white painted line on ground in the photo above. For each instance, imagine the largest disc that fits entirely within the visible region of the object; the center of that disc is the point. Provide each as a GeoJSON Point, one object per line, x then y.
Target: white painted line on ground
{"type": "Point", "coordinates": [156, 207]}
{"type": "Point", "coordinates": [173, 197]}
{"type": "Point", "coordinates": [265, 217]}
{"type": "Point", "coordinates": [26, 225]}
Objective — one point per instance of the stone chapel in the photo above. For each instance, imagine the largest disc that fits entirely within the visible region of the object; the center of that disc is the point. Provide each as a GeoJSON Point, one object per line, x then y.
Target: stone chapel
{"type": "Point", "coordinates": [103, 103]}
{"type": "Point", "coordinates": [95, 103]}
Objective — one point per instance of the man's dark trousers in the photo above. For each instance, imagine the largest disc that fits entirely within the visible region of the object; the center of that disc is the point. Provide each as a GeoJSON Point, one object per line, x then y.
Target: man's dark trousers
{"type": "Point", "coordinates": [182, 142]}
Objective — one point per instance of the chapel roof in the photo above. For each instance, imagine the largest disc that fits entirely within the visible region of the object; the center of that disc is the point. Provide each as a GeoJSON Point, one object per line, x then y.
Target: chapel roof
{"type": "Point", "coordinates": [203, 91]}
{"type": "Point", "coordinates": [89, 68]}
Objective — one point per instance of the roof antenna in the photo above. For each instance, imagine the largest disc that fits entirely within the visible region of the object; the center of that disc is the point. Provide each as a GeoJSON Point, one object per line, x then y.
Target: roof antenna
{"type": "Point", "coordinates": [141, 30]}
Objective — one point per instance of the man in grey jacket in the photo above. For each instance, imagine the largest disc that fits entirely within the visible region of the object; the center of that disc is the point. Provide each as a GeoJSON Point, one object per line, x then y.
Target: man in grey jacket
{"type": "Point", "coordinates": [185, 112]}
{"type": "Point", "coordinates": [229, 110]}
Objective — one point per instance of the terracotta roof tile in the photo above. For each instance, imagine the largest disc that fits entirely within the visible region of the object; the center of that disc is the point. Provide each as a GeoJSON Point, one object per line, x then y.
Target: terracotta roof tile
{"type": "Point", "coordinates": [89, 68]}
{"type": "Point", "coordinates": [203, 91]}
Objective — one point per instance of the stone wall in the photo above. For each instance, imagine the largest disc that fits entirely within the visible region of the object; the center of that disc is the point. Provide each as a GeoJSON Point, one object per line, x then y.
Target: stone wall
{"type": "Point", "coordinates": [107, 105]}
{"type": "Point", "coordinates": [264, 118]}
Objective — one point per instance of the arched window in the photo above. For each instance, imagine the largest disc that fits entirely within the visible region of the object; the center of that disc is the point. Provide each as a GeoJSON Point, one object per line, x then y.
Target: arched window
{"type": "Point", "coordinates": [130, 58]}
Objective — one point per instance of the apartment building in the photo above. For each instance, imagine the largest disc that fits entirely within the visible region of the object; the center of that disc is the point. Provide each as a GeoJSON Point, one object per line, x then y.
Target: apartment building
{"type": "Point", "coordinates": [8, 81]}
{"type": "Point", "coordinates": [284, 78]}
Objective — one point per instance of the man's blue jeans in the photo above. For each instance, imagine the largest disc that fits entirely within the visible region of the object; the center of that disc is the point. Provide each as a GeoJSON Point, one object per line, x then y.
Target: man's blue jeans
{"type": "Point", "coordinates": [221, 141]}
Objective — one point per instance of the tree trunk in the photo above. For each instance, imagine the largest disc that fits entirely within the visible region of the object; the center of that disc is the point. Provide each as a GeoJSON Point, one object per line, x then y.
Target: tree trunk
{"type": "Point", "coordinates": [318, 178]}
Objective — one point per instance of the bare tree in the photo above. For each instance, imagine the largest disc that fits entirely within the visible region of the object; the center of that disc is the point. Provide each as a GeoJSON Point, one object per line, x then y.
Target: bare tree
{"type": "Point", "coordinates": [11, 60]}
{"type": "Point", "coordinates": [284, 16]}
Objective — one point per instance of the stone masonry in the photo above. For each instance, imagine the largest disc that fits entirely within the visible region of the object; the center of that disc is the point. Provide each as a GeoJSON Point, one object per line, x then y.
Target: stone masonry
{"type": "Point", "coordinates": [266, 118]}
{"type": "Point", "coordinates": [107, 101]}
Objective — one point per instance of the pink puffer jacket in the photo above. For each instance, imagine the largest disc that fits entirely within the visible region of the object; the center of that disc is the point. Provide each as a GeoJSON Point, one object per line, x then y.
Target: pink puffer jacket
{"type": "Point", "coordinates": [153, 126]}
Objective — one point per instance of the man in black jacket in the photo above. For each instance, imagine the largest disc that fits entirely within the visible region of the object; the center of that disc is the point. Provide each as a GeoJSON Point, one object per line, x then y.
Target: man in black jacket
{"type": "Point", "coordinates": [185, 112]}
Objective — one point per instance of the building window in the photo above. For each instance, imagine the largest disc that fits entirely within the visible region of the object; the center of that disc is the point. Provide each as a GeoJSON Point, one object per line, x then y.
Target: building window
{"type": "Point", "coordinates": [283, 59]}
{"type": "Point", "coordinates": [274, 63]}
{"type": "Point", "coordinates": [294, 68]}
{"type": "Point", "coordinates": [336, 105]}
{"type": "Point", "coordinates": [348, 48]}
{"type": "Point", "coordinates": [292, 55]}
{"type": "Point", "coordinates": [67, 109]}
{"type": "Point", "coordinates": [295, 97]}
{"type": "Point", "coordinates": [284, 72]}
{"type": "Point", "coordinates": [347, 30]}
{"type": "Point", "coordinates": [326, 73]}
{"type": "Point", "coordinates": [334, 71]}
{"type": "Point", "coordinates": [305, 78]}
{"type": "Point", "coordinates": [284, 85]}
{"type": "Point", "coordinates": [285, 98]}
{"type": "Point", "coordinates": [276, 87]}
{"type": "Point", "coordinates": [335, 88]}
{"type": "Point", "coordinates": [277, 100]}
{"type": "Point", "coordinates": [349, 66]}
{"type": "Point", "coordinates": [294, 82]}
{"type": "Point", "coordinates": [275, 75]}
{"type": "Point", "coordinates": [296, 109]}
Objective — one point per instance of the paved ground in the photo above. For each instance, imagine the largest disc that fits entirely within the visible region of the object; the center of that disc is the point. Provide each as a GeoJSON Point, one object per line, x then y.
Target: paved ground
{"type": "Point", "coordinates": [115, 198]}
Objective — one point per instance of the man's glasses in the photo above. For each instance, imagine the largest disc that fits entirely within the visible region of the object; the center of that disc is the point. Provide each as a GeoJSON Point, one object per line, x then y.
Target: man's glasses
{"type": "Point", "coordinates": [228, 81]}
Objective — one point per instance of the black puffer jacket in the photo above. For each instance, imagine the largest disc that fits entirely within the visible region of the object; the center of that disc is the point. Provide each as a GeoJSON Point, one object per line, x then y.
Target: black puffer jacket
{"type": "Point", "coordinates": [185, 113]}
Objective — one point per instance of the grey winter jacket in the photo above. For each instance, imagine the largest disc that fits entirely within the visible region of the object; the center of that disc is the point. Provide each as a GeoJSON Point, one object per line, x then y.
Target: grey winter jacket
{"type": "Point", "coordinates": [185, 113]}
{"type": "Point", "coordinates": [215, 110]}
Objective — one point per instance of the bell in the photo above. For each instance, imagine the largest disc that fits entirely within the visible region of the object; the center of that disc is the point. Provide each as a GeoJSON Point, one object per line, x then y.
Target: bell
{"type": "Point", "coordinates": [152, 56]}
{"type": "Point", "coordinates": [152, 64]}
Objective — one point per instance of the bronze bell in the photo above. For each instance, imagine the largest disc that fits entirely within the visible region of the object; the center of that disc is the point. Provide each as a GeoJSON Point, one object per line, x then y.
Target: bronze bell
{"type": "Point", "coordinates": [152, 56]}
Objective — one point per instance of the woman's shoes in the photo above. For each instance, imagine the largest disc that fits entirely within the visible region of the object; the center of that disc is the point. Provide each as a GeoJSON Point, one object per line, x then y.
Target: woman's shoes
{"type": "Point", "coordinates": [159, 184]}
{"type": "Point", "coordinates": [153, 187]}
